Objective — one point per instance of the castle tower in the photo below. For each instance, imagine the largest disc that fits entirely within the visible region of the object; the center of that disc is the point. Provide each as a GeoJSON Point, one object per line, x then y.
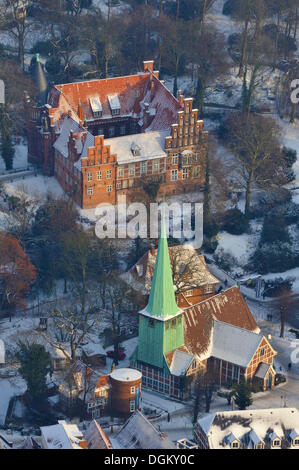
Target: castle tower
{"type": "Point", "coordinates": [41, 82]}
{"type": "Point", "coordinates": [161, 323]}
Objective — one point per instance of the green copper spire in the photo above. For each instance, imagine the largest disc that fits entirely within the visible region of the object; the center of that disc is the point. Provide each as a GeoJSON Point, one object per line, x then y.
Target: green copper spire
{"type": "Point", "coordinates": [162, 302]}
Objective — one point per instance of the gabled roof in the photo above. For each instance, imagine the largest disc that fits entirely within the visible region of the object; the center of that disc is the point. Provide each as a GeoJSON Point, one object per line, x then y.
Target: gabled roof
{"type": "Point", "coordinates": [139, 433]}
{"type": "Point", "coordinates": [131, 91]}
{"type": "Point", "coordinates": [262, 370]}
{"type": "Point", "coordinates": [251, 425]}
{"type": "Point", "coordinates": [144, 268]}
{"type": "Point", "coordinates": [252, 439]}
{"type": "Point", "coordinates": [96, 437]}
{"type": "Point", "coordinates": [233, 344]}
{"type": "Point", "coordinates": [62, 436]}
{"type": "Point", "coordinates": [180, 362]}
{"type": "Point", "coordinates": [61, 143]}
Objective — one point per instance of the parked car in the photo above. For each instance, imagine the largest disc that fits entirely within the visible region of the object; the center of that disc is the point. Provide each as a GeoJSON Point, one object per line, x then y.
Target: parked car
{"type": "Point", "coordinates": [279, 379]}
{"type": "Point", "coordinates": [121, 355]}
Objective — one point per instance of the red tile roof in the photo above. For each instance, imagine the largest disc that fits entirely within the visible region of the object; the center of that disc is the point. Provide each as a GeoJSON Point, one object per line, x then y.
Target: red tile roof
{"type": "Point", "coordinates": [228, 307]}
{"type": "Point", "coordinates": [131, 90]}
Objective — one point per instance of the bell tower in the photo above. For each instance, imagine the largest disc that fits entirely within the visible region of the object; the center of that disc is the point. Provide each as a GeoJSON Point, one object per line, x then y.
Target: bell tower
{"type": "Point", "coordinates": [161, 323]}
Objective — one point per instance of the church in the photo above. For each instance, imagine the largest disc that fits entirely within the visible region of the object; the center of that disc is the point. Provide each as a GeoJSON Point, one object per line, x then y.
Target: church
{"type": "Point", "coordinates": [218, 334]}
{"type": "Point", "coordinates": [102, 139]}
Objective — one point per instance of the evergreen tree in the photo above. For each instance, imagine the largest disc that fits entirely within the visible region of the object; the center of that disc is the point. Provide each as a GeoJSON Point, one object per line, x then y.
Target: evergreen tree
{"type": "Point", "coordinates": [35, 365]}
{"type": "Point", "coordinates": [7, 149]}
{"type": "Point", "coordinates": [243, 395]}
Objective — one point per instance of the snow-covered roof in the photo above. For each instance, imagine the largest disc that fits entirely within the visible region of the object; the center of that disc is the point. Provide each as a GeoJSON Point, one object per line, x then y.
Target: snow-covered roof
{"type": "Point", "coordinates": [62, 436]}
{"type": "Point", "coordinates": [234, 345]}
{"type": "Point", "coordinates": [93, 349]}
{"type": "Point", "coordinates": [251, 427]}
{"type": "Point", "coordinates": [139, 433]}
{"type": "Point", "coordinates": [262, 370]}
{"type": "Point", "coordinates": [181, 255]}
{"type": "Point", "coordinates": [252, 439]}
{"type": "Point", "coordinates": [95, 104]}
{"type": "Point", "coordinates": [126, 375]}
{"type": "Point", "coordinates": [96, 437]}
{"type": "Point", "coordinates": [181, 362]}
{"type": "Point", "coordinates": [61, 143]}
{"type": "Point", "coordinates": [152, 145]}
{"type": "Point", "coordinates": [114, 101]}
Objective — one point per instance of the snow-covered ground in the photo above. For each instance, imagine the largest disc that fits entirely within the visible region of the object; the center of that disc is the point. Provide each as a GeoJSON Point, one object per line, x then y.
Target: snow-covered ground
{"type": "Point", "coordinates": [8, 389]}
{"type": "Point", "coordinates": [20, 161]}
{"type": "Point", "coordinates": [37, 186]}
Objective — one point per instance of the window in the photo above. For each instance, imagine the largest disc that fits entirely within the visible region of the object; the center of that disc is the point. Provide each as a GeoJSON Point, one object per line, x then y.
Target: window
{"type": "Point", "coordinates": [99, 175]}
{"type": "Point", "coordinates": [122, 130]}
{"type": "Point", "coordinates": [151, 323]}
{"type": "Point", "coordinates": [101, 131]}
{"type": "Point", "coordinates": [175, 159]}
{"type": "Point", "coordinates": [185, 173]}
{"type": "Point", "coordinates": [132, 406]}
{"type": "Point", "coordinates": [111, 131]}
{"type": "Point", "coordinates": [90, 191]}
{"type": "Point", "coordinates": [189, 293]}
{"type": "Point", "coordinates": [109, 174]}
{"type": "Point", "coordinates": [236, 372]}
{"type": "Point", "coordinates": [125, 184]}
{"type": "Point", "coordinates": [131, 183]}
{"type": "Point", "coordinates": [156, 166]}
{"type": "Point", "coordinates": [196, 172]}
{"type": "Point", "coordinates": [143, 167]}
{"type": "Point", "coordinates": [132, 390]}
{"type": "Point", "coordinates": [277, 443]}
{"type": "Point", "coordinates": [89, 176]}
{"type": "Point", "coordinates": [120, 172]}
{"type": "Point", "coordinates": [259, 446]}
{"type": "Point", "coordinates": [109, 188]}
{"type": "Point", "coordinates": [235, 445]}
{"type": "Point", "coordinates": [174, 175]}
{"type": "Point", "coordinates": [132, 170]}
{"type": "Point", "coordinates": [208, 289]}
{"type": "Point", "coordinates": [262, 351]}
{"type": "Point", "coordinates": [118, 185]}
{"type": "Point", "coordinates": [194, 365]}
{"type": "Point", "coordinates": [115, 111]}
{"type": "Point", "coordinates": [296, 442]}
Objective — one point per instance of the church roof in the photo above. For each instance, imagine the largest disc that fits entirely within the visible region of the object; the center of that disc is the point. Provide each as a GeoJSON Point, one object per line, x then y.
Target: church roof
{"type": "Point", "coordinates": [162, 303]}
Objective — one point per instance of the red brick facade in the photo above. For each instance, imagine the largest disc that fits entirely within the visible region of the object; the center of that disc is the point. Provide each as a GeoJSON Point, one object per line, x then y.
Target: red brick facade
{"type": "Point", "coordinates": [97, 175]}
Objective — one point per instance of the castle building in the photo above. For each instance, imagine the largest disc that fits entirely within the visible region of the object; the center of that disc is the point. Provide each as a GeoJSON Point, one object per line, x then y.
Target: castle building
{"type": "Point", "coordinates": [218, 335]}
{"type": "Point", "coordinates": [103, 138]}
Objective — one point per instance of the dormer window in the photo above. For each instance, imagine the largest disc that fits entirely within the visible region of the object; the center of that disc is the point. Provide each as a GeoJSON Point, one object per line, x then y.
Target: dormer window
{"type": "Point", "coordinates": [136, 150]}
{"type": "Point", "coordinates": [276, 443]}
{"type": "Point", "coordinates": [235, 445]}
{"type": "Point", "coordinates": [114, 104]}
{"type": "Point", "coordinates": [260, 445]}
{"type": "Point", "coordinates": [96, 106]}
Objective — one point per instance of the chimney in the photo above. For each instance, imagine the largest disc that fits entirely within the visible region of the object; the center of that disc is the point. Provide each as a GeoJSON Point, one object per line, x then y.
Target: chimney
{"type": "Point", "coordinates": [148, 65]}
{"type": "Point", "coordinates": [80, 113]}
{"type": "Point", "coordinates": [180, 98]}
